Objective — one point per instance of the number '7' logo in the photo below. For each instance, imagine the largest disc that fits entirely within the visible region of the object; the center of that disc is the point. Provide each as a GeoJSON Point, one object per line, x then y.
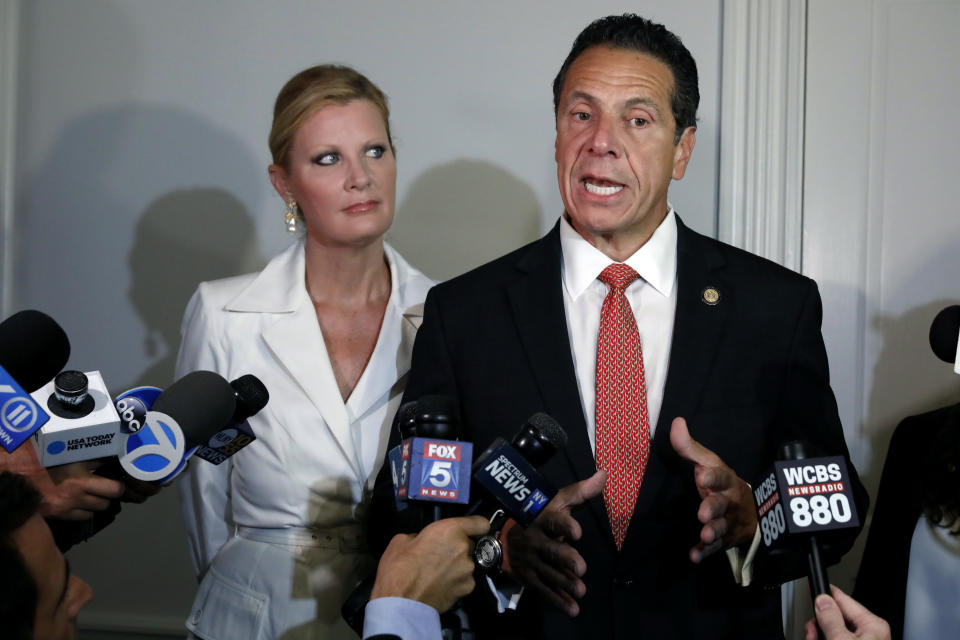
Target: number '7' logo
{"type": "Point", "coordinates": [157, 448]}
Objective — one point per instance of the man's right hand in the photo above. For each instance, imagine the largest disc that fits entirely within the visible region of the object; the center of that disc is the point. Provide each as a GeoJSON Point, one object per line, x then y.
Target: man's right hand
{"type": "Point", "coordinates": [540, 555]}
{"type": "Point", "coordinates": [435, 566]}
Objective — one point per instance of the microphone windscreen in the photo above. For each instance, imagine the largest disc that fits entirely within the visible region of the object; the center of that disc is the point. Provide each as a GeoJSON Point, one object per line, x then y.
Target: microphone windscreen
{"type": "Point", "coordinates": [438, 417]}
{"type": "Point", "coordinates": [438, 409]}
{"type": "Point", "coordinates": [33, 348]}
{"type": "Point", "coordinates": [407, 419]}
{"type": "Point", "coordinates": [944, 333]}
{"type": "Point", "coordinates": [251, 396]}
{"type": "Point", "coordinates": [202, 403]}
{"type": "Point", "coordinates": [549, 430]}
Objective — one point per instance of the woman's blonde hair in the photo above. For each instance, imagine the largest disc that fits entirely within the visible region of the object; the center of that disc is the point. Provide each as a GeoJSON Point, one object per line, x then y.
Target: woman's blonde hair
{"type": "Point", "coordinates": [313, 89]}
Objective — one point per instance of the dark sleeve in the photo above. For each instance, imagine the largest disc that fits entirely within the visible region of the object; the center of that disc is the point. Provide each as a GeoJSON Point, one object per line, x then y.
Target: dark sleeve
{"type": "Point", "coordinates": [882, 580]}
{"type": "Point", "coordinates": [807, 411]}
{"type": "Point", "coordinates": [430, 373]}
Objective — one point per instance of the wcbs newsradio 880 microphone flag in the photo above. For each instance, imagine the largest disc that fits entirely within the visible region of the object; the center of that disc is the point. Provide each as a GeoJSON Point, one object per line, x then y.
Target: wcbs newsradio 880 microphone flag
{"type": "Point", "coordinates": [33, 348]}
{"type": "Point", "coordinates": [800, 503]}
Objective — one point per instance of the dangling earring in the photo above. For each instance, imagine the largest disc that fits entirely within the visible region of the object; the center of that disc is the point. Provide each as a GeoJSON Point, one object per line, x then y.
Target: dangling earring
{"type": "Point", "coordinates": [291, 217]}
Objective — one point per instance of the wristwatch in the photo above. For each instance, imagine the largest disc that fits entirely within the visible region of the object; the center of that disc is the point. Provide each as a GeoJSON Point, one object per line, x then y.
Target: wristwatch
{"type": "Point", "coordinates": [488, 551]}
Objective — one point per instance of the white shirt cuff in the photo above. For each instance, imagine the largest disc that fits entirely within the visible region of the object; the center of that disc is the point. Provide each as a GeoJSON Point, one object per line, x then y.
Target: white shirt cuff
{"type": "Point", "coordinates": [743, 567]}
{"type": "Point", "coordinates": [409, 619]}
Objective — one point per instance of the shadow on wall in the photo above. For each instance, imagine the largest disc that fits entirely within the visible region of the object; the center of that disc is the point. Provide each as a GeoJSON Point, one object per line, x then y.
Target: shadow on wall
{"type": "Point", "coordinates": [183, 238]}
{"type": "Point", "coordinates": [130, 207]}
{"type": "Point", "coordinates": [459, 215]}
{"type": "Point", "coordinates": [141, 203]}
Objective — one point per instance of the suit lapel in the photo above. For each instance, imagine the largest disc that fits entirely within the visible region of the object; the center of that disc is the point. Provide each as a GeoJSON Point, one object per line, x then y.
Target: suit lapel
{"type": "Point", "coordinates": [697, 331]}
{"type": "Point", "coordinates": [536, 300]}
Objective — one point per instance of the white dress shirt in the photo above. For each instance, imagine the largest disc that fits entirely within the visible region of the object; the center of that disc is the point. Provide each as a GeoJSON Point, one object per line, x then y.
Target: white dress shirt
{"type": "Point", "coordinates": [652, 296]}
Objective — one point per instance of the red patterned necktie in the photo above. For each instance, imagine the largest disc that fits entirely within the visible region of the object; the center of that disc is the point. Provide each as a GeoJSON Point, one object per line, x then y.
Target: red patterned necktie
{"type": "Point", "coordinates": [623, 428]}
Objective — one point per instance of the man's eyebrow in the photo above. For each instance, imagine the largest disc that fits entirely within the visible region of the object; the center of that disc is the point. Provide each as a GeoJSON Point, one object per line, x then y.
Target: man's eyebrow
{"type": "Point", "coordinates": [66, 581]}
{"type": "Point", "coordinates": [581, 95]}
{"type": "Point", "coordinates": [644, 102]}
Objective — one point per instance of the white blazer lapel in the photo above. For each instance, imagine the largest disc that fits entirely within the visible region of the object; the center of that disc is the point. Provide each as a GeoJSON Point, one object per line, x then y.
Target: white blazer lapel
{"type": "Point", "coordinates": [297, 343]}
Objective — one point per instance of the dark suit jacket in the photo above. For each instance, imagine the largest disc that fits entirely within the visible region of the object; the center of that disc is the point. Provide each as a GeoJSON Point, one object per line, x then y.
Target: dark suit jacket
{"type": "Point", "coordinates": [748, 373]}
{"type": "Point", "coordinates": [916, 453]}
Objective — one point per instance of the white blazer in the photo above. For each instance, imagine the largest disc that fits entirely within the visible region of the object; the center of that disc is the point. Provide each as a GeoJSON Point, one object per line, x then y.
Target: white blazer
{"type": "Point", "coordinates": [315, 457]}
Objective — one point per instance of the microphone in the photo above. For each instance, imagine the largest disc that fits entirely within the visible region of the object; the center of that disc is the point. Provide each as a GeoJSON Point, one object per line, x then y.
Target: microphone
{"type": "Point", "coordinates": [508, 470]}
{"type": "Point", "coordinates": [33, 348]}
{"type": "Point", "coordinates": [251, 396]}
{"type": "Point", "coordinates": [945, 336]}
{"type": "Point", "coordinates": [189, 412]}
{"type": "Point", "coordinates": [84, 424]}
{"type": "Point", "coordinates": [430, 466]}
{"type": "Point", "coordinates": [433, 466]}
{"type": "Point", "coordinates": [799, 501]}
{"type": "Point", "coordinates": [407, 427]}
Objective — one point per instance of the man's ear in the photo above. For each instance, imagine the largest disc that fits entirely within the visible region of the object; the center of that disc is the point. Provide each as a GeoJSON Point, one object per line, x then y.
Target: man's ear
{"type": "Point", "coordinates": [683, 151]}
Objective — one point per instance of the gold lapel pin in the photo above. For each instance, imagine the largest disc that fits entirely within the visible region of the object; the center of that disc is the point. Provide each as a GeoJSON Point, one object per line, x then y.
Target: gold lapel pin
{"type": "Point", "coordinates": [710, 296]}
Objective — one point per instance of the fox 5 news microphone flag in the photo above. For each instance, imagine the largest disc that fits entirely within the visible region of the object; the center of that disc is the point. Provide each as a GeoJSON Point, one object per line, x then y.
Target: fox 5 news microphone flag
{"type": "Point", "coordinates": [432, 470]}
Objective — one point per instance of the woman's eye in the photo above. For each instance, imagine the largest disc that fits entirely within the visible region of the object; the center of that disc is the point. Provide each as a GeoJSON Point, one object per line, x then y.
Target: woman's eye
{"type": "Point", "coordinates": [376, 151]}
{"type": "Point", "coordinates": [327, 158]}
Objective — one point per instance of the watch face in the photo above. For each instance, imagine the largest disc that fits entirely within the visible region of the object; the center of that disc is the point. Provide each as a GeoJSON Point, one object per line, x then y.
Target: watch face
{"type": "Point", "coordinates": [487, 553]}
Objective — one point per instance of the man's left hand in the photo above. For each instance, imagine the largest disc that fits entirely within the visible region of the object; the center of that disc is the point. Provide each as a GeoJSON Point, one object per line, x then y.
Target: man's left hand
{"type": "Point", "coordinates": [727, 509]}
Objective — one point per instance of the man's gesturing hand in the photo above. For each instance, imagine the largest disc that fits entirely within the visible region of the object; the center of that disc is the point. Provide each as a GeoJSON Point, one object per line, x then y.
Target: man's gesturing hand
{"type": "Point", "coordinates": [727, 509]}
{"type": "Point", "coordinates": [434, 567]}
{"type": "Point", "coordinates": [540, 555]}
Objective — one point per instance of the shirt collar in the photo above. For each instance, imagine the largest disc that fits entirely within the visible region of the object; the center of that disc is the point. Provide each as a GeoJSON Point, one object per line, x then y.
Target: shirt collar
{"type": "Point", "coordinates": [655, 261]}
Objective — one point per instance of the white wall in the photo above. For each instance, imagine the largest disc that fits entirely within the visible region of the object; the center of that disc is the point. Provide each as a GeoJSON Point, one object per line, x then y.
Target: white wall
{"type": "Point", "coordinates": [140, 169]}
{"type": "Point", "coordinates": [881, 226]}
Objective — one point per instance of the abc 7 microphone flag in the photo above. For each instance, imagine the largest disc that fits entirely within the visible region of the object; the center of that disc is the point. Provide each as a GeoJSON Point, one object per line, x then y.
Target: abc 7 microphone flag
{"type": "Point", "coordinates": [152, 444]}
{"type": "Point", "coordinates": [804, 496]}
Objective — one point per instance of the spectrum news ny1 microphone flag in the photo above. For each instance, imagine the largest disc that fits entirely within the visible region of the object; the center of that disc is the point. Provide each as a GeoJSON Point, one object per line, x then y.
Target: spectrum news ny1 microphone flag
{"type": "Point", "coordinates": [508, 471]}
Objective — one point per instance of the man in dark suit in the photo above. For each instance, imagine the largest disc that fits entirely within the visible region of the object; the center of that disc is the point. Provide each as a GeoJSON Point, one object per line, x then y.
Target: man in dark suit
{"type": "Point", "coordinates": [679, 325]}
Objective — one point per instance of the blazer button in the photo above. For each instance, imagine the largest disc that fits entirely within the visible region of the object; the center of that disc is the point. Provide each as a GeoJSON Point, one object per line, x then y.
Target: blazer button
{"type": "Point", "coordinates": [623, 583]}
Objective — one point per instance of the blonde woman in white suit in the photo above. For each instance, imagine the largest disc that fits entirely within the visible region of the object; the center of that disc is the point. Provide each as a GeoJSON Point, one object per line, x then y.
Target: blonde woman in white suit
{"type": "Point", "coordinates": [276, 533]}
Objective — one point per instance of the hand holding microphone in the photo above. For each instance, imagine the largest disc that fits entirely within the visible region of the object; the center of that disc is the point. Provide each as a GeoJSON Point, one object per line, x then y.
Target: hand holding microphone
{"type": "Point", "coordinates": [434, 566]}
{"type": "Point", "coordinates": [843, 618]}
